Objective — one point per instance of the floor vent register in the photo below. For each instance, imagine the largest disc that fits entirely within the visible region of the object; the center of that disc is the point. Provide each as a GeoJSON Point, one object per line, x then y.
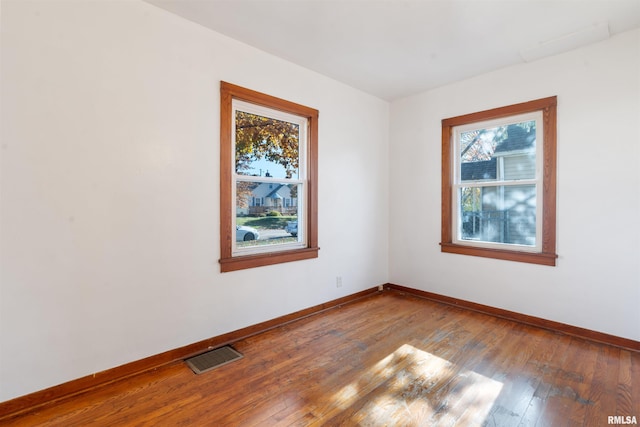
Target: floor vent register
{"type": "Point", "coordinates": [213, 359]}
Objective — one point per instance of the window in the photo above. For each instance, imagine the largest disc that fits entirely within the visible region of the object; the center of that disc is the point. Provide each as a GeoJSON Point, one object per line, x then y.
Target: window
{"type": "Point", "coordinates": [499, 183]}
{"type": "Point", "coordinates": [268, 179]}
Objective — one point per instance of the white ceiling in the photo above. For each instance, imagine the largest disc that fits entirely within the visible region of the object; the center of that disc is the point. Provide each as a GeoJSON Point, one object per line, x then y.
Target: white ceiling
{"type": "Point", "coordinates": [394, 48]}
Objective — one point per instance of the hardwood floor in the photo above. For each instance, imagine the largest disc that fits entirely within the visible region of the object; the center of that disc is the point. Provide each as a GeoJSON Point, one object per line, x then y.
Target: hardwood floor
{"type": "Point", "coordinates": [387, 360]}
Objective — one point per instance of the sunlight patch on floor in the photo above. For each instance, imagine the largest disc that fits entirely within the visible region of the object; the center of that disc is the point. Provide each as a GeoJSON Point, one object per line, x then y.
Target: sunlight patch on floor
{"type": "Point", "coordinates": [412, 386]}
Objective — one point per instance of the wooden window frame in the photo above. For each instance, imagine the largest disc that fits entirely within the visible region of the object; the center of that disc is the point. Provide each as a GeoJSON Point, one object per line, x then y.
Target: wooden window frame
{"type": "Point", "coordinates": [547, 254]}
{"type": "Point", "coordinates": [228, 261]}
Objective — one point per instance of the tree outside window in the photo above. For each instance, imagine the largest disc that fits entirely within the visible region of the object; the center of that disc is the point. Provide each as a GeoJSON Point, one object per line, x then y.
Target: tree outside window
{"type": "Point", "coordinates": [268, 179]}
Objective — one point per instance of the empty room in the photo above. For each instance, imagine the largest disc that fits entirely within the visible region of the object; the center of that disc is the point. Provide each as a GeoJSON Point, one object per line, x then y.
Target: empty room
{"type": "Point", "coordinates": [318, 212]}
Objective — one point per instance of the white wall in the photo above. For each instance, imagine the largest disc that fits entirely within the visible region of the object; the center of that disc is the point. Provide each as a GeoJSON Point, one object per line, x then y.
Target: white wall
{"type": "Point", "coordinates": [110, 222]}
{"type": "Point", "coordinates": [596, 284]}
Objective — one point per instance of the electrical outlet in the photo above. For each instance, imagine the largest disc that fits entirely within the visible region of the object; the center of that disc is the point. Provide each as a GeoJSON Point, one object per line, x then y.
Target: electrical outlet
{"type": "Point", "coordinates": [338, 281]}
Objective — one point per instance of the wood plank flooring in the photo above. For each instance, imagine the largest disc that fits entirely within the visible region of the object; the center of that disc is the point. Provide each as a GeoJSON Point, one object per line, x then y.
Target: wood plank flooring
{"type": "Point", "coordinates": [387, 360]}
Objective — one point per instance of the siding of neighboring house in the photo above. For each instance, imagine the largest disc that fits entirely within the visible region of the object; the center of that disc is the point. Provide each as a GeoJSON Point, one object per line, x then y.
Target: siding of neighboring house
{"type": "Point", "coordinates": [519, 167]}
{"type": "Point", "coordinates": [521, 224]}
{"type": "Point", "coordinates": [520, 214]}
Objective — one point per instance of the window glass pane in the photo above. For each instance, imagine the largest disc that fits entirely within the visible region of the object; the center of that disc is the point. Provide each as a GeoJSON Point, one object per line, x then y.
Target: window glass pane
{"type": "Point", "coordinates": [500, 214]}
{"type": "Point", "coordinates": [498, 153]}
{"type": "Point", "coordinates": [267, 213]}
{"type": "Point", "coordinates": [266, 146]}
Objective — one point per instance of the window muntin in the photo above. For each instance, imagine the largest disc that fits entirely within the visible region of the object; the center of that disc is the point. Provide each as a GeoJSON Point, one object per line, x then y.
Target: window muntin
{"type": "Point", "coordinates": [517, 179]}
{"type": "Point", "coordinates": [498, 182]}
{"type": "Point", "coordinates": [285, 158]}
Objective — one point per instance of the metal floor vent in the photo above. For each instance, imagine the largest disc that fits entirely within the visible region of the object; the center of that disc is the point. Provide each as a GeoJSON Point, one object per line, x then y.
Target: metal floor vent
{"type": "Point", "coordinates": [213, 359]}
